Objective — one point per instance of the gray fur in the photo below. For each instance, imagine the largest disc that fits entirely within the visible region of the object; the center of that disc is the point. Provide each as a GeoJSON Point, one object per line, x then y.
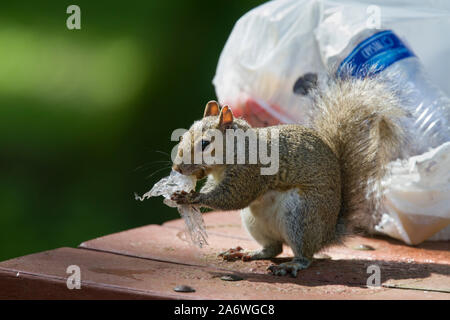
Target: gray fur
{"type": "Point", "coordinates": [323, 173]}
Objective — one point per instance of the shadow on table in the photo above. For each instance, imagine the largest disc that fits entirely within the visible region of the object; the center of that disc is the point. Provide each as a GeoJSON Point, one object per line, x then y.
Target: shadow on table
{"type": "Point", "coordinates": [353, 273]}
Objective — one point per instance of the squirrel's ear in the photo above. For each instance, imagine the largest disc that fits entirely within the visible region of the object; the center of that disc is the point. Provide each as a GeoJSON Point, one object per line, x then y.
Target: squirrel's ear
{"type": "Point", "coordinates": [211, 109]}
{"type": "Point", "coordinates": [226, 117]}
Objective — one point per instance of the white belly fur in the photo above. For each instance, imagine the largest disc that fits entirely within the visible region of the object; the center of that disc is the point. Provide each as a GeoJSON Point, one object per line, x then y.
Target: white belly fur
{"type": "Point", "coordinates": [264, 218]}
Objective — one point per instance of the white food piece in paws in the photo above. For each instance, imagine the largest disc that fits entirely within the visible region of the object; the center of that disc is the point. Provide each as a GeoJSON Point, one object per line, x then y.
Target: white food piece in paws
{"type": "Point", "coordinates": [192, 216]}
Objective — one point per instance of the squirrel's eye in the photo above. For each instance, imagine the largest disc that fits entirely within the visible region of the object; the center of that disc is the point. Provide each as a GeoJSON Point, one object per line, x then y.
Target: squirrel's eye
{"type": "Point", "coordinates": [205, 143]}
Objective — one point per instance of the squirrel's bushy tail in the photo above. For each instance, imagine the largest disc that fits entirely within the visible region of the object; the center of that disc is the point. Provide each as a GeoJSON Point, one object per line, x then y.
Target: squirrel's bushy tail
{"type": "Point", "coordinates": [358, 118]}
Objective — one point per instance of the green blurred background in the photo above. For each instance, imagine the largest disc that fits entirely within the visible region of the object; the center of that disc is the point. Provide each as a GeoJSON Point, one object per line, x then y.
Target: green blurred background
{"type": "Point", "coordinates": [83, 113]}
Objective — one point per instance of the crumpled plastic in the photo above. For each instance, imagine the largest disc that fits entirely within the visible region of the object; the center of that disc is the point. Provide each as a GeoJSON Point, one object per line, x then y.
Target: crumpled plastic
{"type": "Point", "coordinates": [195, 226]}
{"type": "Point", "coordinates": [416, 202]}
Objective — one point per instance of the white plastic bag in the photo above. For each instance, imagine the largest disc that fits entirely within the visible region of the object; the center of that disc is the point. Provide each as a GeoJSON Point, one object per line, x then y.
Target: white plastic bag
{"type": "Point", "coordinates": [275, 44]}
{"type": "Point", "coordinates": [417, 202]}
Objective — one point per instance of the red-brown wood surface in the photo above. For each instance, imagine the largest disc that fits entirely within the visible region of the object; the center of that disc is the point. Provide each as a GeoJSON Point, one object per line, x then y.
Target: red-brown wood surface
{"type": "Point", "coordinates": [148, 262]}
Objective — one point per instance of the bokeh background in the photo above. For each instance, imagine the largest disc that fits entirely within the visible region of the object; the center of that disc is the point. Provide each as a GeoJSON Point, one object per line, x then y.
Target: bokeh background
{"type": "Point", "coordinates": [86, 115]}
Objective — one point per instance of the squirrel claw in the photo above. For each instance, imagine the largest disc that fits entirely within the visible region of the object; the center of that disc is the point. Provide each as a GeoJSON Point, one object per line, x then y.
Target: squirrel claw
{"type": "Point", "coordinates": [290, 268]}
{"type": "Point", "coordinates": [282, 270]}
{"type": "Point", "coordinates": [235, 254]}
{"type": "Point", "coordinates": [183, 197]}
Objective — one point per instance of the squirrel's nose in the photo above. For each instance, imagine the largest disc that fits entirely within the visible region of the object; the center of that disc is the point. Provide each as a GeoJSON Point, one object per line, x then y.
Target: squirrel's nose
{"type": "Point", "coordinates": [177, 168]}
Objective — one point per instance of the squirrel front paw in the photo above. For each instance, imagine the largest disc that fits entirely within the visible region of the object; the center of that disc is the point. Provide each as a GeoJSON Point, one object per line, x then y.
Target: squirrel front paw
{"type": "Point", "coordinates": [183, 197]}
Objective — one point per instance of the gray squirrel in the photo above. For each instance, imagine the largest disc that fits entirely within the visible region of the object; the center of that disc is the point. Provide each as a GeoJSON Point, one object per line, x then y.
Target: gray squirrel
{"type": "Point", "coordinates": [322, 187]}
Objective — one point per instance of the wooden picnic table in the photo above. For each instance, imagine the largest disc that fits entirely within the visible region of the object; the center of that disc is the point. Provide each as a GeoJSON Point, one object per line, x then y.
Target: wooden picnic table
{"type": "Point", "coordinates": [148, 262]}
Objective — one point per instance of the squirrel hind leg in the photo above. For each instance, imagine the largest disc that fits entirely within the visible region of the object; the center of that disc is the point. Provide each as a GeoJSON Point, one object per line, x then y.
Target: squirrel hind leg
{"type": "Point", "coordinates": [266, 252]}
{"type": "Point", "coordinates": [309, 223]}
